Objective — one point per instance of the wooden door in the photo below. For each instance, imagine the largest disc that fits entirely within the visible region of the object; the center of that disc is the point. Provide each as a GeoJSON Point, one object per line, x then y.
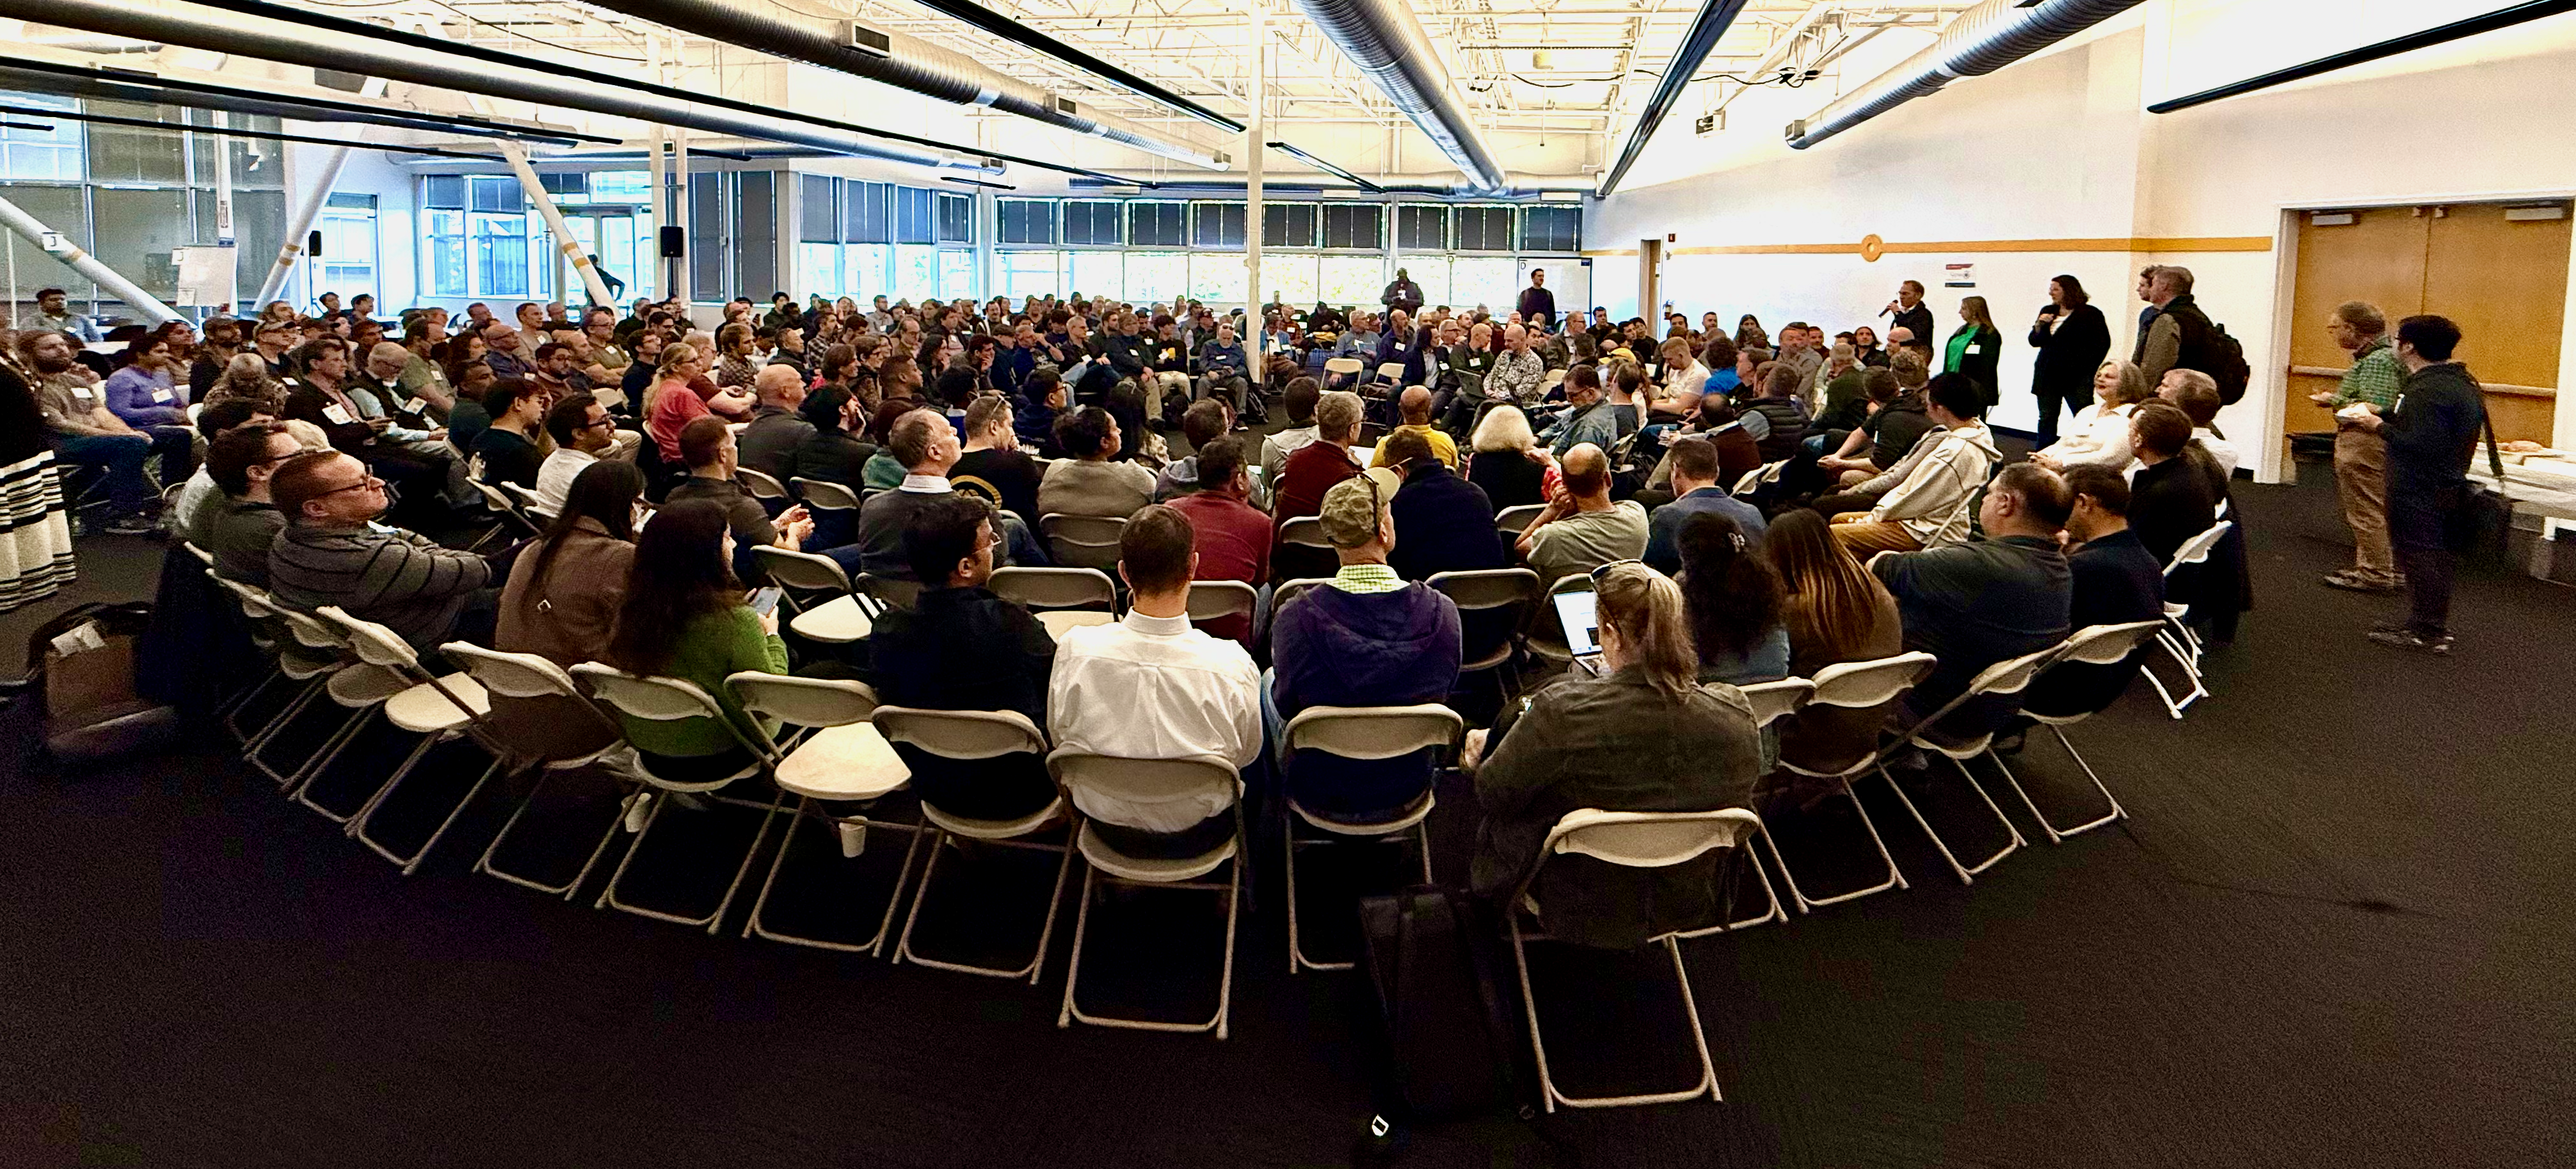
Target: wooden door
{"type": "Point", "coordinates": [2376, 254]}
{"type": "Point", "coordinates": [2504, 282]}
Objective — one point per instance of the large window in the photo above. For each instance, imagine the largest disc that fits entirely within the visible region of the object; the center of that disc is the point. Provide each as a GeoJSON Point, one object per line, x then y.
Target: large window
{"type": "Point", "coordinates": [1156, 277]}
{"type": "Point", "coordinates": [1096, 274]}
{"type": "Point", "coordinates": [916, 271]}
{"type": "Point", "coordinates": [1218, 277]}
{"type": "Point", "coordinates": [31, 151]}
{"type": "Point", "coordinates": [1288, 278]}
{"type": "Point", "coordinates": [1027, 274]}
{"type": "Point", "coordinates": [1492, 281]}
{"type": "Point", "coordinates": [1429, 271]}
{"type": "Point", "coordinates": [349, 244]}
{"type": "Point", "coordinates": [1352, 279]}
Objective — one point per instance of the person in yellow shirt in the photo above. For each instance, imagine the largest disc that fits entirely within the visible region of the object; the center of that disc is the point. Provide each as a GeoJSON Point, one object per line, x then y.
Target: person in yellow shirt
{"type": "Point", "coordinates": [1415, 406]}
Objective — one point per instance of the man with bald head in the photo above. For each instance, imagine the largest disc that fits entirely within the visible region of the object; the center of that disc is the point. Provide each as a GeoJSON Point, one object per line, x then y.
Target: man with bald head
{"type": "Point", "coordinates": [1519, 373]}
{"type": "Point", "coordinates": [1415, 407]}
{"type": "Point", "coordinates": [777, 427]}
{"type": "Point", "coordinates": [1581, 529]}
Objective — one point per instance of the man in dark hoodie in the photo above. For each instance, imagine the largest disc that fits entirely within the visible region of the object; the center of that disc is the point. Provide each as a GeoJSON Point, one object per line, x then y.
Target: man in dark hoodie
{"type": "Point", "coordinates": [1365, 638]}
{"type": "Point", "coordinates": [2432, 432]}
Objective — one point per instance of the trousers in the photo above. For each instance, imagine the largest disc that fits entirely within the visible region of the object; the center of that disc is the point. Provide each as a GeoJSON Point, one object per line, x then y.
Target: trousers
{"type": "Point", "coordinates": [2361, 484]}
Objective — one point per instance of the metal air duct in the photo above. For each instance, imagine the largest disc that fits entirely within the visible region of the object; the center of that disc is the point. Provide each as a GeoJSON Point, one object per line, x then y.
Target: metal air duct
{"type": "Point", "coordinates": [1979, 41]}
{"type": "Point", "coordinates": [271, 41]}
{"type": "Point", "coordinates": [1384, 39]}
{"type": "Point", "coordinates": [903, 62]}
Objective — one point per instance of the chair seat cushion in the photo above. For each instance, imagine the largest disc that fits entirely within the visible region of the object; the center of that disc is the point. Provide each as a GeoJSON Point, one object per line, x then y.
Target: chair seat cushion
{"type": "Point", "coordinates": [835, 622]}
{"type": "Point", "coordinates": [843, 763]}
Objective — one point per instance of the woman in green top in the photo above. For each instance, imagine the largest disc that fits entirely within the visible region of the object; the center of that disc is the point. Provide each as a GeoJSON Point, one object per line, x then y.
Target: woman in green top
{"type": "Point", "coordinates": [684, 618]}
{"type": "Point", "coordinates": [1974, 347]}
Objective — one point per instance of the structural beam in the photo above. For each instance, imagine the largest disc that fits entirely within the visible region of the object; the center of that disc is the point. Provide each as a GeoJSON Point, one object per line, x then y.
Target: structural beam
{"type": "Point", "coordinates": [517, 156]}
{"type": "Point", "coordinates": [61, 248]}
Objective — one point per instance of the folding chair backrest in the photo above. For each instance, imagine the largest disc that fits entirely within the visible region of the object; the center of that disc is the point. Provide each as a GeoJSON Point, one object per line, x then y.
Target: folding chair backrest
{"type": "Point", "coordinates": [1515, 520]}
{"type": "Point", "coordinates": [1390, 370]}
{"type": "Point", "coordinates": [310, 632]}
{"type": "Point", "coordinates": [1773, 701]}
{"type": "Point", "coordinates": [1143, 782]}
{"type": "Point", "coordinates": [761, 484]}
{"type": "Point", "coordinates": [1055, 588]}
{"type": "Point", "coordinates": [2012, 675]}
{"type": "Point", "coordinates": [1289, 591]}
{"type": "Point", "coordinates": [801, 570]}
{"type": "Point", "coordinates": [255, 604]}
{"type": "Point", "coordinates": [899, 594]}
{"type": "Point", "coordinates": [2103, 645]}
{"type": "Point", "coordinates": [373, 643]}
{"type": "Point", "coordinates": [512, 675]}
{"type": "Point", "coordinates": [1487, 588]}
{"type": "Point", "coordinates": [525, 498]}
{"type": "Point", "coordinates": [1083, 541]}
{"type": "Point", "coordinates": [1305, 531]}
{"type": "Point", "coordinates": [1553, 379]}
{"type": "Point", "coordinates": [960, 734]}
{"type": "Point", "coordinates": [1870, 683]}
{"type": "Point", "coordinates": [1647, 840]}
{"type": "Point", "coordinates": [1342, 365]}
{"type": "Point", "coordinates": [824, 495]}
{"type": "Point", "coordinates": [654, 699]}
{"type": "Point", "coordinates": [1212, 600]}
{"type": "Point", "coordinates": [1374, 732]}
{"type": "Point", "coordinates": [804, 702]}
{"type": "Point", "coordinates": [203, 556]}
{"type": "Point", "coordinates": [494, 498]}
{"type": "Point", "coordinates": [2196, 549]}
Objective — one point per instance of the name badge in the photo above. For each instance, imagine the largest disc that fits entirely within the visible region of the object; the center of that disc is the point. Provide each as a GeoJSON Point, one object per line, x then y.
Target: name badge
{"type": "Point", "coordinates": [338, 414]}
{"type": "Point", "coordinates": [1974, 350]}
{"type": "Point", "coordinates": [83, 393]}
{"type": "Point", "coordinates": [161, 395]}
{"type": "Point", "coordinates": [410, 406]}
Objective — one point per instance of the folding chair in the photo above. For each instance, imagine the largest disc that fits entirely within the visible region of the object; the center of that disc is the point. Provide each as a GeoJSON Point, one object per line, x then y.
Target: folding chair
{"type": "Point", "coordinates": [1637, 840]}
{"type": "Point", "coordinates": [1368, 733]}
{"type": "Point", "coordinates": [1771, 702]}
{"type": "Point", "coordinates": [2093, 645]}
{"type": "Point", "coordinates": [1215, 600]}
{"type": "Point", "coordinates": [941, 736]}
{"type": "Point", "coordinates": [1083, 541]}
{"type": "Point", "coordinates": [766, 488]}
{"type": "Point", "coordinates": [1152, 781]}
{"type": "Point", "coordinates": [1856, 685]}
{"type": "Point", "coordinates": [841, 757]}
{"type": "Point", "coordinates": [804, 576]}
{"type": "Point", "coordinates": [2176, 637]}
{"type": "Point", "coordinates": [1344, 367]}
{"type": "Point", "coordinates": [1289, 591]}
{"type": "Point", "coordinates": [359, 687]}
{"type": "Point", "coordinates": [888, 592]}
{"type": "Point", "coordinates": [437, 708]}
{"type": "Point", "coordinates": [1303, 551]}
{"type": "Point", "coordinates": [525, 500]}
{"type": "Point", "coordinates": [290, 661]}
{"type": "Point", "coordinates": [1545, 637]}
{"type": "Point", "coordinates": [1495, 604]}
{"type": "Point", "coordinates": [674, 700]}
{"type": "Point", "coordinates": [507, 511]}
{"type": "Point", "coordinates": [2005, 677]}
{"type": "Point", "coordinates": [1753, 480]}
{"type": "Point", "coordinates": [1062, 598]}
{"type": "Point", "coordinates": [1512, 521]}
{"type": "Point", "coordinates": [824, 495]}
{"type": "Point", "coordinates": [529, 677]}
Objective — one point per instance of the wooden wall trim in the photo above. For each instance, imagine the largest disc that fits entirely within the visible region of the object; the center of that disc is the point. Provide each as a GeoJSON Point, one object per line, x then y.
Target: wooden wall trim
{"type": "Point", "coordinates": [2214, 243]}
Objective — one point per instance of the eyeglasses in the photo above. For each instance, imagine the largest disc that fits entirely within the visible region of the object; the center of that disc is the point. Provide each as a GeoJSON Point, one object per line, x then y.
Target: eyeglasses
{"type": "Point", "coordinates": [361, 485]}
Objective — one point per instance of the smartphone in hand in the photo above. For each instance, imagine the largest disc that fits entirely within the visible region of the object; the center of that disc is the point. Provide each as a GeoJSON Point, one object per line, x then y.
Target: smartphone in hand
{"type": "Point", "coordinates": [765, 601]}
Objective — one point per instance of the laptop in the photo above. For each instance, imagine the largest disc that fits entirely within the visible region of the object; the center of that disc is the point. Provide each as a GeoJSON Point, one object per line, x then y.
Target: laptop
{"type": "Point", "coordinates": [1574, 613]}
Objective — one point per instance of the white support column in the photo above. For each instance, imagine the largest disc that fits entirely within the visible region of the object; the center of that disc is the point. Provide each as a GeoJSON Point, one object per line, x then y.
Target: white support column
{"type": "Point", "coordinates": [680, 279]}
{"type": "Point", "coordinates": [308, 214]}
{"type": "Point", "coordinates": [517, 156]}
{"type": "Point", "coordinates": [1257, 89]}
{"type": "Point", "coordinates": [660, 171]}
{"type": "Point", "coordinates": [224, 207]}
{"type": "Point", "coordinates": [82, 262]}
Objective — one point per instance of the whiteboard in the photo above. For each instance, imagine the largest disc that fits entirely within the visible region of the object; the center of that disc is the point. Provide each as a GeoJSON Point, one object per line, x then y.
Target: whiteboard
{"type": "Point", "coordinates": [205, 274]}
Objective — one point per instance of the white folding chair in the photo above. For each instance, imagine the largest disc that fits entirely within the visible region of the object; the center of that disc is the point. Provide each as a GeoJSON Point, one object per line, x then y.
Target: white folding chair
{"type": "Point", "coordinates": [1512, 521]}
{"type": "Point", "coordinates": [1509, 594]}
{"type": "Point", "coordinates": [840, 757]}
{"type": "Point", "coordinates": [361, 688]}
{"type": "Point", "coordinates": [1637, 840]}
{"type": "Point", "coordinates": [1853, 685]}
{"type": "Point", "coordinates": [532, 678]}
{"type": "Point", "coordinates": [437, 708]}
{"type": "Point", "coordinates": [1215, 600]}
{"type": "Point", "coordinates": [804, 576]}
{"type": "Point", "coordinates": [976, 736]}
{"type": "Point", "coordinates": [2176, 637]}
{"type": "Point", "coordinates": [1364, 733]}
{"type": "Point", "coordinates": [524, 498]}
{"type": "Point", "coordinates": [675, 700]}
{"type": "Point", "coordinates": [505, 509]}
{"type": "Point", "coordinates": [1754, 479]}
{"type": "Point", "coordinates": [2010, 676]}
{"type": "Point", "coordinates": [1289, 591]}
{"type": "Point", "coordinates": [764, 487]}
{"type": "Point", "coordinates": [1062, 598]}
{"type": "Point", "coordinates": [2093, 645]}
{"type": "Point", "coordinates": [1083, 541]}
{"type": "Point", "coordinates": [825, 495]}
{"type": "Point", "coordinates": [1152, 781]}
{"type": "Point", "coordinates": [1343, 366]}
{"type": "Point", "coordinates": [1553, 379]}
{"type": "Point", "coordinates": [291, 660]}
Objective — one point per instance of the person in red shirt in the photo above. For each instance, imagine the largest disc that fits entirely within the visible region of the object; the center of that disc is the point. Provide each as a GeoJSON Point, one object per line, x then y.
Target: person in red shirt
{"type": "Point", "coordinates": [1233, 537]}
{"type": "Point", "coordinates": [1314, 468]}
{"type": "Point", "coordinates": [677, 401]}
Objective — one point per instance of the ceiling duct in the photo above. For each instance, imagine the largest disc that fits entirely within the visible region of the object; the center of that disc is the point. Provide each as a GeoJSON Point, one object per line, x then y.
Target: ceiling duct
{"type": "Point", "coordinates": [272, 41]}
{"type": "Point", "coordinates": [892, 59]}
{"type": "Point", "coordinates": [1979, 41]}
{"type": "Point", "coordinates": [1384, 39]}
{"type": "Point", "coordinates": [1715, 17]}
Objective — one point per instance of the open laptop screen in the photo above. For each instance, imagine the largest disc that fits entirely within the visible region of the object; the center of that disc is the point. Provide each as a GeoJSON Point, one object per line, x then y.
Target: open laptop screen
{"type": "Point", "coordinates": [1574, 611]}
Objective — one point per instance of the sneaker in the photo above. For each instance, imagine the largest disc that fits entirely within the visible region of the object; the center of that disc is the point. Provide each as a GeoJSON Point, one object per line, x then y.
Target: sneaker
{"type": "Point", "coordinates": [2354, 580]}
{"type": "Point", "coordinates": [130, 525]}
{"type": "Point", "coordinates": [2438, 644]}
{"type": "Point", "coordinates": [854, 838]}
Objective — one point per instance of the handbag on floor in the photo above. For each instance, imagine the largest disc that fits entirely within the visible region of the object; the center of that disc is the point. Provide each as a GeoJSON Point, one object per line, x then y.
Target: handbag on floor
{"type": "Point", "coordinates": [1450, 1044]}
{"type": "Point", "coordinates": [85, 678]}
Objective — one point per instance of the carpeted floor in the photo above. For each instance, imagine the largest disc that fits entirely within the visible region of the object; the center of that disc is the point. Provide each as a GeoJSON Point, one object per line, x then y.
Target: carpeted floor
{"type": "Point", "coordinates": [2334, 933]}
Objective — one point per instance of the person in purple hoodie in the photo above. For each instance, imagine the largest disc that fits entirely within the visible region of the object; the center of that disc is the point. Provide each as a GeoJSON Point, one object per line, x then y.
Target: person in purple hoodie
{"type": "Point", "coordinates": [1365, 638]}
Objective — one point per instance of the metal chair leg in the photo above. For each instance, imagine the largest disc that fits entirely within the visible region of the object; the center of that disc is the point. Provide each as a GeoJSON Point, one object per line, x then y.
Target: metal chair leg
{"type": "Point", "coordinates": [903, 950]}
{"type": "Point", "coordinates": [2056, 834]}
{"type": "Point", "coordinates": [321, 765]}
{"type": "Point", "coordinates": [411, 864]}
{"type": "Point", "coordinates": [1967, 873]}
{"type": "Point", "coordinates": [566, 891]}
{"type": "Point", "coordinates": [1551, 1096]}
{"type": "Point", "coordinates": [1895, 877]}
{"type": "Point", "coordinates": [713, 921]}
{"type": "Point", "coordinates": [1233, 890]}
{"type": "Point", "coordinates": [874, 946]}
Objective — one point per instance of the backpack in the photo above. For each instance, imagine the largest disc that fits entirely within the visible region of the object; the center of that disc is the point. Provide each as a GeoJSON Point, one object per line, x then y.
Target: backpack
{"type": "Point", "coordinates": [1451, 1045]}
{"type": "Point", "coordinates": [2226, 365]}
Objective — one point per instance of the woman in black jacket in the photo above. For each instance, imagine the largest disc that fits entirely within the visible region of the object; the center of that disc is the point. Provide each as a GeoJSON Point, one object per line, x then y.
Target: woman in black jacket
{"type": "Point", "coordinates": [1974, 347]}
{"type": "Point", "coordinates": [2072, 338]}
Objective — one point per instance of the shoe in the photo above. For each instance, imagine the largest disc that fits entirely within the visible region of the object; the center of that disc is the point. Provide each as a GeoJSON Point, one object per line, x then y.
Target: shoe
{"type": "Point", "coordinates": [2438, 644]}
{"type": "Point", "coordinates": [854, 838]}
{"type": "Point", "coordinates": [130, 525]}
{"type": "Point", "coordinates": [2354, 580]}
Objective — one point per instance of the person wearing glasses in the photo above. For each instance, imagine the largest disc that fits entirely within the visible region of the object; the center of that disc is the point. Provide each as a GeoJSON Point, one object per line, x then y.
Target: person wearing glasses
{"type": "Point", "coordinates": [1644, 736]}
{"type": "Point", "coordinates": [332, 552]}
{"type": "Point", "coordinates": [584, 434]}
{"type": "Point", "coordinates": [239, 533]}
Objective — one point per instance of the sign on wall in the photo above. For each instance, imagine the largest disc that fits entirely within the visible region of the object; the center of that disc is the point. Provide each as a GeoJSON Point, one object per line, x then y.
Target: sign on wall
{"type": "Point", "coordinates": [1959, 276]}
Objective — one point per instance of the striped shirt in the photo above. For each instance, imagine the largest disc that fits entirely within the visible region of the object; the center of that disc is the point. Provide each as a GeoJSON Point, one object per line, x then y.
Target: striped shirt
{"type": "Point", "coordinates": [399, 579]}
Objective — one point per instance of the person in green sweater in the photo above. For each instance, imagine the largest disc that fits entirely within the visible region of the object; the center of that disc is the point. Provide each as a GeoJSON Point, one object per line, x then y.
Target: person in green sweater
{"type": "Point", "coordinates": [684, 617]}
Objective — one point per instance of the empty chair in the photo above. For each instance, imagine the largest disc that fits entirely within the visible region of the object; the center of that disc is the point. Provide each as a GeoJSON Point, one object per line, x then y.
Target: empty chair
{"type": "Point", "coordinates": [1062, 598]}
{"type": "Point", "coordinates": [2093, 645]}
{"type": "Point", "coordinates": [672, 700]}
{"type": "Point", "coordinates": [2177, 638]}
{"type": "Point", "coordinates": [532, 678]}
{"type": "Point", "coordinates": [526, 499]}
{"type": "Point", "coordinates": [437, 708]}
{"type": "Point", "coordinates": [958, 755]}
{"type": "Point", "coordinates": [1853, 685]}
{"type": "Point", "coordinates": [1152, 781]}
{"type": "Point", "coordinates": [843, 758]}
{"type": "Point", "coordinates": [820, 604]}
{"type": "Point", "coordinates": [1639, 840]}
{"type": "Point", "coordinates": [1383, 749]}
{"type": "Point", "coordinates": [1082, 541]}
{"type": "Point", "coordinates": [2004, 677]}
{"type": "Point", "coordinates": [1494, 604]}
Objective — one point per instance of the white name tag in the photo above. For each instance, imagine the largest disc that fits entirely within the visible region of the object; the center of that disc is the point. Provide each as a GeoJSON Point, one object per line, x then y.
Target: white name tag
{"type": "Point", "coordinates": [161, 395]}
{"type": "Point", "coordinates": [338, 414]}
{"type": "Point", "coordinates": [83, 393]}
{"type": "Point", "coordinates": [1974, 350]}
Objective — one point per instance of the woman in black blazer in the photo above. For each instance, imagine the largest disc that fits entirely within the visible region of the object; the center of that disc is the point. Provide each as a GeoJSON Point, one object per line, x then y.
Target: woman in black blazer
{"type": "Point", "coordinates": [1974, 347]}
{"type": "Point", "coordinates": [2072, 339]}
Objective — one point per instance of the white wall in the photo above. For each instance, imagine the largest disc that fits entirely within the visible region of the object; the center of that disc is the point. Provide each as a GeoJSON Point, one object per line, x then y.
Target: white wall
{"type": "Point", "coordinates": [2059, 147]}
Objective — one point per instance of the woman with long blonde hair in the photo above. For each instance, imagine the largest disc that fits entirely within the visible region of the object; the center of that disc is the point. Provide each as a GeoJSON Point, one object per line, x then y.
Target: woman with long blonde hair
{"type": "Point", "coordinates": [1836, 612]}
{"type": "Point", "coordinates": [1974, 347]}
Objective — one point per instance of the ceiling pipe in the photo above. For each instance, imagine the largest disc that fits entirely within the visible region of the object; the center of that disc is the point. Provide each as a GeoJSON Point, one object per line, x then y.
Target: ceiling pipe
{"type": "Point", "coordinates": [1715, 17]}
{"type": "Point", "coordinates": [1980, 41]}
{"type": "Point", "coordinates": [1387, 43]}
{"type": "Point", "coordinates": [905, 63]}
{"type": "Point", "coordinates": [533, 82]}
{"type": "Point", "coordinates": [1516, 185]}
{"type": "Point", "coordinates": [1020, 34]}
{"type": "Point", "coordinates": [2425, 39]}
{"type": "Point", "coordinates": [36, 76]}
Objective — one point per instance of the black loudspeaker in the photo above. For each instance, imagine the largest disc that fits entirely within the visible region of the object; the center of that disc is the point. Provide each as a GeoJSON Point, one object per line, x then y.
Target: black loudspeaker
{"type": "Point", "coordinates": [313, 245]}
{"type": "Point", "coordinates": [675, 242]}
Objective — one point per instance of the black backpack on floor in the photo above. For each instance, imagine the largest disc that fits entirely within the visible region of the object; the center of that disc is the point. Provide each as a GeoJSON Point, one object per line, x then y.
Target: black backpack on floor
{"type": "Point", "coordinates": [1452, 1046]}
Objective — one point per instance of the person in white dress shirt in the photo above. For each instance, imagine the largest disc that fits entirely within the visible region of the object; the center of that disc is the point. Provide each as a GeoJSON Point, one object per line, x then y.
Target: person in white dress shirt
{"type": "Point", "coordinates": [583, 434]}
{"type": "Point", "coordinates": [1153, 687]}
{"type": "Point", "coordinates": [2100, 436]}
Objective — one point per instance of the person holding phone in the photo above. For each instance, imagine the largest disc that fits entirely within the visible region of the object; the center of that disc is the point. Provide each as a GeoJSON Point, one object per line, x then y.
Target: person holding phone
{"type": "Point", "coordinates": [708, 445]}
{"type": "Point", "coordinates": [684, 616]}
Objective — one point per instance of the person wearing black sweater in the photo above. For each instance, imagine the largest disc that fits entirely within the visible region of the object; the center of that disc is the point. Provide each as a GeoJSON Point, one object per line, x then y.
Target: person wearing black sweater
{"type": "Point", "coordinates": [2116, 582]}
{"type": "Point", "coordinates": [2072, 338]}
{"type": "Point", "coordinates": [2432, 432]}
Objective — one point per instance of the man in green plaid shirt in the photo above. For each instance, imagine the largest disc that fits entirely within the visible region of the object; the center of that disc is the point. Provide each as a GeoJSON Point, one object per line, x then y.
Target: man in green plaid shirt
{"type": "Point", "coordinates": [2361, 455]}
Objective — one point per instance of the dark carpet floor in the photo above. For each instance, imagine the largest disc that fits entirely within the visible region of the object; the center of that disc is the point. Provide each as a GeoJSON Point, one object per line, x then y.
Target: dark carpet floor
{"type": "Point", "coordinates": [2335, 933]}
